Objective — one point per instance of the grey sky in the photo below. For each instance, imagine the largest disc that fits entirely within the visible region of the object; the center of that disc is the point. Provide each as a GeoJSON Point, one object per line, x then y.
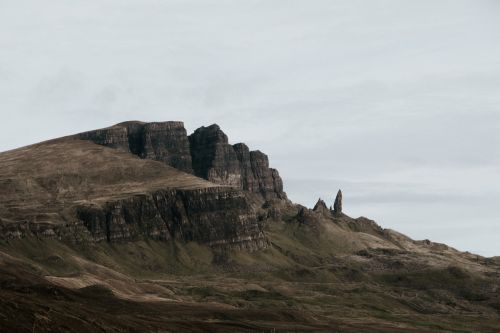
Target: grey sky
{"type": "Point", "coordinates": [396, 102]}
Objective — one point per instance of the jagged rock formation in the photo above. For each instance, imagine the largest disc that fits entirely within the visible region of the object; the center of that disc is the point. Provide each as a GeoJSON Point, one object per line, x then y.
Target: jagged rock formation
{"type": "Point", "coordinates": [235, 165]}
{"type": "Point", "coordinates": [213, 157]}
{"type": "Point", "coordinates": [205, 153]}
{"type": "Point", "coordinates": [337, 205]}
{"type": "Point", "coordinates": [167, 142]}
{"type": "Point", "coordinates": [256, 176]}
{"type": "Point", "coordinates": [320, 207]}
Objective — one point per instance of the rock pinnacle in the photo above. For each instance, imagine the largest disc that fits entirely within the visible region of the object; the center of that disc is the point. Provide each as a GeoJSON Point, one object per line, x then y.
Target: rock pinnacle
{"type": "Point", "coordinates": [337, 206]}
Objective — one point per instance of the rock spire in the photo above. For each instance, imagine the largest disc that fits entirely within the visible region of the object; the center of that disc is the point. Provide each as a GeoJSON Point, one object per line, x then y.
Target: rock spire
{"type": "Point", "coordinates": [337, 205]}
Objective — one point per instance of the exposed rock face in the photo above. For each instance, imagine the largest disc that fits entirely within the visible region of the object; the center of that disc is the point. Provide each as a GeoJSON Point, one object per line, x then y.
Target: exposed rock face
{"type": "Point", "coordinates": [256, 175]}
{"type": "Point", "coordinates": [337, 205]}
{"type": "Point", "coordinates": [268, 182]}
{"type": "Point", "coordinates": [216, 160]}
{"type": "Point", "coordinates": [206, 153]}
{"type": "Point", "coordinates": [213, 157]}
{"type": "Point", "coordinates": [212, 216]}
{"type": "Point", "coordinates": [217, 217]}
{"type": "Point", "coordinates": [114, 137]}
{"type": "Point", "coordinates": [248, 180]}
{"type": "Point", "coordinates": [166, 141]}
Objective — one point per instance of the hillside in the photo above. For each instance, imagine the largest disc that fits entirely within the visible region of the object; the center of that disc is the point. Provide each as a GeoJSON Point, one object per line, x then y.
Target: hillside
{"type": "Point", "coordinates": [140, 227]}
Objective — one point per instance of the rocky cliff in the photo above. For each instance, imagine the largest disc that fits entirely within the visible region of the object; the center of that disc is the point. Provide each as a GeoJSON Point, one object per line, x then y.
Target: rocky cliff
{"type": "Point", "coordinates": [213, 157]}
{"type": "Point", "coordinates": [205, 153]}
{"type": "Point", "coordinates": [165, 141]}
{"type": "Point", "coordinates": [212, 216]}
{"type": "Point", "coordinates": [235, 165]}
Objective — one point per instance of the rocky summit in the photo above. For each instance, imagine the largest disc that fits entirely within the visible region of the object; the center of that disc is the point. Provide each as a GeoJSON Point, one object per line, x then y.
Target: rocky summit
{"type": "Point", "coordinates": [140, 227]}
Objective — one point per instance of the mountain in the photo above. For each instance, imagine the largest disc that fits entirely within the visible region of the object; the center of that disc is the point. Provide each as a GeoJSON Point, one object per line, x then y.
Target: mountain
{"type": "Point", "coordinates": [140, 227]}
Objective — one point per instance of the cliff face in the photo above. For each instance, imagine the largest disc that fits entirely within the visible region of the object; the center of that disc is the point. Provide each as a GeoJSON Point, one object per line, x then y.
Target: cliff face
{"type": "Point", "coordinates": [216, 160]}
{"type": "Point", "coordinates": [115, 137]}
{"type": "Point", "coordinates": [212, 216]}
{"type": "Point", "coordinates": [205, 153]}
{"type": "Point", "coordinates": [165, 142]}
{"type": "Point", "coordinates": [213, 157]}
{"type": "Point", "coordinates": [216, 217]}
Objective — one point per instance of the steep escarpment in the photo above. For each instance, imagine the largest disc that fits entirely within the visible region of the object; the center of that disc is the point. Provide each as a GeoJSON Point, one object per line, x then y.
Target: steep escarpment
{"type": "Point", "coordinates": [163, 141]}
{"type": "Point", "coordinates": [235, 165]}
{"type": "Point", "coordinates": [213, 157]}
{"type": "Point", "coordinates": [212, 216]}
{"type": "Point", "coordinates": [206, 153]}
{"type": "Point", "coordinates": [77, 191]}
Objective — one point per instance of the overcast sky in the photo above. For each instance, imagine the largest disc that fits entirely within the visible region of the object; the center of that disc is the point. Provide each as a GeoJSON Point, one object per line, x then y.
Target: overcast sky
{"type": "Point", "coordinates": [396, 102]}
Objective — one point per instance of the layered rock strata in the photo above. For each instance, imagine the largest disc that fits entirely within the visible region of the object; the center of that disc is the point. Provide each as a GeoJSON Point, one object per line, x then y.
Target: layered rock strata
{"type": "Point", "coordinates": [217, 217]}
{"type": "Point", "coordinates": [212, 216]}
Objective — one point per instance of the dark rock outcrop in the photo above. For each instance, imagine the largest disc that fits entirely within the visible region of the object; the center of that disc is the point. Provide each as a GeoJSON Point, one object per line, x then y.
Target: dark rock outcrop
{"type": "Point", "coordinates": [213, 157]}
{"type": "Point", "coordinates": [320, 207]}
{"type": "Point", "coordinates": [337, 205]}
{"type": "Point", "coordinates": [235, 165]}
{"type": "Point", "coordinates": [205, 153]}
{"type": "Point", "coordinates": [214, 216]}
{"type": "Point", "coordinates": [114, 137]}
{"type": "Point", "coordinates": [165, 141]}
{"type": "Point", "coordinates": [256, 176]}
